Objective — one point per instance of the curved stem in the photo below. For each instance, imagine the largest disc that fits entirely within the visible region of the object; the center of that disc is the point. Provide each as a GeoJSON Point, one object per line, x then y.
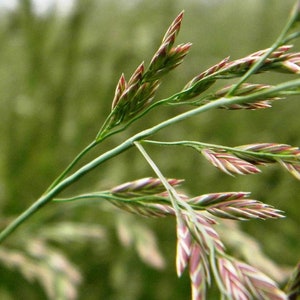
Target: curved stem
{"type": "Point", "coordinates": [147, 110]}
{"type": "Point", "coordinates": [101, 136]}
{"type": "Point", "coordinates": [175, 199]}
{"type": "Point", "coordinates": [48, 196]}
{"type": "Point", "coordinates": [104, 128]}
{"type": "Point", "coordinates": [64, 183]}
{"type": "Point", "coordinates": [282, 38]}
{"type": "Point", "coordinates": [197, 145]}
{"type": "Point", "coordinates": [216, 273]}
{"type": "Point", "coordinates": [71, 165]}
{"type": "Point", "coordinates": [107, 195]}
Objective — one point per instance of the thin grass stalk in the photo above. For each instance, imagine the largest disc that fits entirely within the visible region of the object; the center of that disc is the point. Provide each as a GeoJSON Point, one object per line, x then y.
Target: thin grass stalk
{"type": "Point", "coordinates": [62, 185]}
{"type": "Point", "coordinates": [282, 39]}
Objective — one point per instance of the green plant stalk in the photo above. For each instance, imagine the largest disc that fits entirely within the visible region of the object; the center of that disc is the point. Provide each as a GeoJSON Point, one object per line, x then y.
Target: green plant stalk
{"type": "Point", "coordinates": [71, 165]}
{"type": "Point", "coordinates": [101, 136]}
{"type": "Point", "coordinates": [194, 144]}
{"type": "Point", "coordinates": [177, 203]}
{"type": "Point", "coordinates": [212, 259]}
{"type": "Point", "coordinates": [104, 132]}
{"type": "Point", "coordinates": [106, 195]}
{"type": "Point", "coordinates": [282, 38]}
{"type": "Point", "coordinates": [175, 199]}
{"type": "Point", "coordinates": [62, 185]}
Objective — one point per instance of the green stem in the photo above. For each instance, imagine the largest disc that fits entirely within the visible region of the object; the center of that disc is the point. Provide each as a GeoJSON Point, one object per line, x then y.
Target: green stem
{"type": "Point", "coordinates": [195, 144]}
{"type": "Point", "coordinates": [48, 196]}
{"type": "Point", "coordinates": [292, 36]}
{"type": "Point", "coordinates": [101, 136]}
{"type": "Point", "coordinates": [148, 109]}
{"type": "Point", "coordinates": [98, 195]}
{"type": "Point", "coordinates": [102, 133]}
{"type": "Point", "coordinates": [217, 274]}
{"type": "Point", "coordinates": [168, 100]}
{"type": "Point", "coordinates": [71, 165]}
{"type": "Point", "coordinates": [279, 42]}
{"type": "Point", "coordinates": [175, 199]}
{"type": "Point", "coordinates": [107, 195]}
{"type": "Point", "coordinates": [64, 183]}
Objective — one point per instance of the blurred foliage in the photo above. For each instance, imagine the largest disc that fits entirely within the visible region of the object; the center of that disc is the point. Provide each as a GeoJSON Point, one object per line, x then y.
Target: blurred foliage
{"type": "Point", "coordinates": [57, 79]}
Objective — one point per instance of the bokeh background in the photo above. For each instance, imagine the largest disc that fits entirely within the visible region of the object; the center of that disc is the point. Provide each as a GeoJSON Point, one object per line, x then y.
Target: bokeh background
{"type": "Point", "coordinates": [58, 72]}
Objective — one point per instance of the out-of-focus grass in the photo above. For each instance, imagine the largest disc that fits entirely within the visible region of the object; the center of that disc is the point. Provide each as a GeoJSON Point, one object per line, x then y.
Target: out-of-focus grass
{"type": "Point", "coordinates": [57, 79]}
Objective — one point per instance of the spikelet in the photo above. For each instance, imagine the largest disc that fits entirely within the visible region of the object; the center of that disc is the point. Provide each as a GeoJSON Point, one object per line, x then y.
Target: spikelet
{"type": "Point", "coordinates": [242, 281]}
{"type": "Point", "coordinates": [138, 93]}
{"type": "Point", "coordinates": [229, 163]}
{"type": "Point", "coordinates": [142, 187]}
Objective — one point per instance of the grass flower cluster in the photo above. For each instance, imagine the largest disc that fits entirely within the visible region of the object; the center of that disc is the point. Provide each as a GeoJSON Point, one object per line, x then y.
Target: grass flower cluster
{"type": "Point", "coordinates": [200, 249]}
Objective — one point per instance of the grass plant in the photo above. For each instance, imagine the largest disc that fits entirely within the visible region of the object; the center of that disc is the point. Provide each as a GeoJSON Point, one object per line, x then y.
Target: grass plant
{"type": "Point", "coordinates": [200, 249]}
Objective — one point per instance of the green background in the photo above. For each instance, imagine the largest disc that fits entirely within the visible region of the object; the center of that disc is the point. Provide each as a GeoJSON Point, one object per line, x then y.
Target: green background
{"type": "Point", "coordinates": [57, 78]}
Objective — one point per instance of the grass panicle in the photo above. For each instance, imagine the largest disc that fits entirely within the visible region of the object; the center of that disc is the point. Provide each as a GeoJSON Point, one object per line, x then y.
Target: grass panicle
{"type": "Point", "coordinates": [200, 248]}
{"type": "Point", "coordinates": [278, 61]}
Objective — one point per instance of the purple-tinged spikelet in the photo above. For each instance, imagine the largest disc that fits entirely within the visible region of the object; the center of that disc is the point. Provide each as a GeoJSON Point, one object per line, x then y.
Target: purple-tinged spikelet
{"type": "Point", "coordinates": [229, 163]}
